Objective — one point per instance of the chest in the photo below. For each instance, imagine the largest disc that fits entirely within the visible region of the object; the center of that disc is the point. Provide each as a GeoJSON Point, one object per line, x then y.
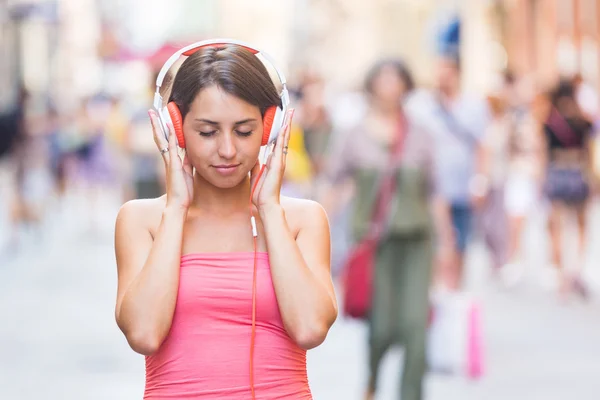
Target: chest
{"type": "Point", "coordinates": [371, 153]}
{"type": "Point", "coordinates": [217, 292]}
{"type": "Point", "coordinates": [221, 235]}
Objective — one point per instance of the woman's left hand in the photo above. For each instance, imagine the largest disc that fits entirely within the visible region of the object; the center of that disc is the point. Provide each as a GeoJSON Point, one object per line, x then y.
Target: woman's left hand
{"type": "Point", "coordinates": [268, 188]}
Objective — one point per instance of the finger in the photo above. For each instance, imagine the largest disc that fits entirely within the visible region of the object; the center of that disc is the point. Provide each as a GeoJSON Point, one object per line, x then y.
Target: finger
{"type": "Point", "coordinates": [287, 134]}
{"type": "Point", "coordinates": [159, 137]}
{"type": "Point", "coordinates": [187, 165]}
{"type": "Point", "coordinates": [280, 143]}
{"type": "Point", "coordinates": [282, 147]}
{"type": "Point", "coordinates": [172, 144]}
{"type": "Point", "coordinates": [269, 162]}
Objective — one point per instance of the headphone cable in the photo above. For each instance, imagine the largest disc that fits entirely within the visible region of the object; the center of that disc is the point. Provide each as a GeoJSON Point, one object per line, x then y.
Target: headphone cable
{"type": "Point", "coordinates": [254, 237]}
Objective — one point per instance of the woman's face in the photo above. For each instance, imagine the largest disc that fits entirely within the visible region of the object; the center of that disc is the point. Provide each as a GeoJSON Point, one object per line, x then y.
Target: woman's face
{"type": "Point", "coordinates": [223, 136]}
{"type": "Point", "coordinates": [388, 86]}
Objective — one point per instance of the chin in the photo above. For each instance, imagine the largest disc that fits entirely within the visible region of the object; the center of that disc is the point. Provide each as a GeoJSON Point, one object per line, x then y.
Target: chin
{"type": "Point", "coordinates": [226, 182]}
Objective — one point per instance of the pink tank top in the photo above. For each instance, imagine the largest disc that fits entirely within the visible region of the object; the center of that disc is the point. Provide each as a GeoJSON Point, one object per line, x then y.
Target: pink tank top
{"type": "Point", "coordinates": [207, 352]}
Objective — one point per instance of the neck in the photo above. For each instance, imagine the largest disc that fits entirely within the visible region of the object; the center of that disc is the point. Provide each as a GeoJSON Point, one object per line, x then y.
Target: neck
{"type": "Point", "coordinates": [387, 109]}
{"type": "Point", "coordinates": [217, 201]}
{"type": "Point", "coordinates": [449, 93]}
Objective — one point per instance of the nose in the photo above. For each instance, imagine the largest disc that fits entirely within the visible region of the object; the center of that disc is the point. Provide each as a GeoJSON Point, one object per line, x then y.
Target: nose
{"type": "Point", "coordinates": [227, 148]}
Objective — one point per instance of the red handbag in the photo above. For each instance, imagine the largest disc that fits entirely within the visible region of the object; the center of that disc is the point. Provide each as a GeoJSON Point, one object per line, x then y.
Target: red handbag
{"type": "Point", "coordinates": [360, 264]}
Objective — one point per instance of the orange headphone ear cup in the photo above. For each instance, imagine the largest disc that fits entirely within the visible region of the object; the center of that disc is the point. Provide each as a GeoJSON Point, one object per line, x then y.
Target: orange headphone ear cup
{"type": "Point", "coordinates": [177, 121]}
{"type": "Point", "coordinates": [268, 119]}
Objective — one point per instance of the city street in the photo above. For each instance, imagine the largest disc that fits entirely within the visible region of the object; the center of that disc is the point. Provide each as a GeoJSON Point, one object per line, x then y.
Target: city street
{"type": "Point", "coordinates": [58, 338]}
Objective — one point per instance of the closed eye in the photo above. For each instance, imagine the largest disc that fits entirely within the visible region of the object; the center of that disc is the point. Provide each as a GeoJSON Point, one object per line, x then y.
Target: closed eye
{"type": "Point", "coordinates": [211, 133]}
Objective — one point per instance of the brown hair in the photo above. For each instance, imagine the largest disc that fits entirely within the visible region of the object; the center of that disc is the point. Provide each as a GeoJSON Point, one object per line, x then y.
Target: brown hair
{"type": "Point", "coordinates": [232, 68]}
{"type": "Point", "coordinates": [399, 67]}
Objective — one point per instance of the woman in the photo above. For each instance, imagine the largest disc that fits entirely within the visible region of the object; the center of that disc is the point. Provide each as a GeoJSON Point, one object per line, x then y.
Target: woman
{"type": "Point", "coordinates": [185, 260]}
{"type": "Point", "coordinates": [399, 312]}
{"type": "Point", "coordinates": [567, 184]}
{"type": "Point", "coordinates": [524, 173]}
{"type": "Point", "coordinates": [492, 159]}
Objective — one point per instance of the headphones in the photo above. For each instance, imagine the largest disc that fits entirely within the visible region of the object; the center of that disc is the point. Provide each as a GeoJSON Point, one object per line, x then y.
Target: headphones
{"type": "Point", "coordinates": [273, 118]}
{"type": "Point", "coordinates": [273, 121]}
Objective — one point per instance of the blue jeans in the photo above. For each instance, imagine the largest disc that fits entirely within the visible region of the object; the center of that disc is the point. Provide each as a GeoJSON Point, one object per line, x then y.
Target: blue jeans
{"type": "Point", "coordinates": [462, 216]}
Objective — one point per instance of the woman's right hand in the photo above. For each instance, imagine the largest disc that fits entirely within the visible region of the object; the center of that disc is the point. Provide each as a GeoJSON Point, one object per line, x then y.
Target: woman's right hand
{"type": "Point", "coordinates": [180, 181]}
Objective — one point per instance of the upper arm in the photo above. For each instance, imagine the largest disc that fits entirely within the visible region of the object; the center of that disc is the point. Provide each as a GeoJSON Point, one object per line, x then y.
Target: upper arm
{"type": "Point", "coordinates": [314, 241]}
{"type": "Point", "coordinates": [133, 242]}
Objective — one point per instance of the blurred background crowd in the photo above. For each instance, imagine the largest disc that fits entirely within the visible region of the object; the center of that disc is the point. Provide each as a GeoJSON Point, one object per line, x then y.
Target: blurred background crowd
{"type": "Point", "coordinates": [505, 94]}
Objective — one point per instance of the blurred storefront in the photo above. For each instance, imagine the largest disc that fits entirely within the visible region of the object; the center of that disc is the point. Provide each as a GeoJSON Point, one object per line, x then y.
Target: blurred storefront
{"type": "Point", "coordinates": [553, 37]}
{"type": "Point", "coordinates": [341, 39]}
{"type": "Point", "coordinates": [28, 38]}
{"type": "Point", "coordinates": [112, 46]}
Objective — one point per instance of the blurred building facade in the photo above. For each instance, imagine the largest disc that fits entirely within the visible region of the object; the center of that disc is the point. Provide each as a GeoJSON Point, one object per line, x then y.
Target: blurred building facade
{"type": "Point", "coordinates": [550, 38]}
{"type": "Point", "coordinates": [341, 39]}
{"type": "Point", "coordinates": [28, 39]}
{"type": "Point", "coordinates": [88, 46]}
{"type": "Point", "coordinates": [88, 41]}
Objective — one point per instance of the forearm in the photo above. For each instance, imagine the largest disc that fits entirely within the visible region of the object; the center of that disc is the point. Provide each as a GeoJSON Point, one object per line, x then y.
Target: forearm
{"type": "Point", "coordinates": [147, 308]}
{"type": "Point", "coordinates": [305, 304]}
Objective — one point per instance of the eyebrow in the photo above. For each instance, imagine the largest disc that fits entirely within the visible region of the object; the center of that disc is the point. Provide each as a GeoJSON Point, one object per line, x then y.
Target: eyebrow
{"type": "Point", "coordinates": [208, 121]}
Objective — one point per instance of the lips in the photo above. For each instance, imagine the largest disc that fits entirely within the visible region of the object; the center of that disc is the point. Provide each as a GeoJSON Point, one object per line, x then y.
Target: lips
{"type": "Point", "coordinates": [226, 169]}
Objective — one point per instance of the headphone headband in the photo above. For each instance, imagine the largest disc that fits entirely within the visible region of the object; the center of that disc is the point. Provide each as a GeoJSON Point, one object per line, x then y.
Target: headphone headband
{"type": "Point", "coordinates": [192, 48]}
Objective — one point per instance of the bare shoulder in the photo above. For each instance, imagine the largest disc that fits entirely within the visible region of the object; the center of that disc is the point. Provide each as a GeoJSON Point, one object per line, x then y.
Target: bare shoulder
{"type": "Point", "coordinates": [304, 213]}
{"type": "Point", "coordinates": [141, 214]}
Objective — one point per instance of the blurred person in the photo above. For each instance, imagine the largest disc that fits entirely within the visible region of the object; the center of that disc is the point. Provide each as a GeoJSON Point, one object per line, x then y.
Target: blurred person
{"type": "Point", "coordinates": [66, 145]}
{"type": "Point", "coordinates": [491, 171]}
{"type": "Point", "coordinates": [54, 126]}
{"type": "Point", "coordinates": [36, 176]}
{"type": "Point", "coordinates": [299, 170]}
{"type": "Point", "coordinates": [31, 178]}
{"type": "Point", "coordinates": [12, 125]}
{"type": "Point", "coordinates": [94, 172]}
{"type": "Point", "coordinates": [399, 309]}
{"type": "Point", "coordinates": [13, 131]}
{"type": "Point", "coordinates": [315, 121]}
{"type": "Point", "coordinates": [586, 97]}
{"type": "Point", "coordinates": [186, 289]}
{"type": "Point", "coordinates": [508, 174]}
{"type": "Point", "coordinates": [348, 110]}
{"type": "Point", "coordinates": [457, 121]}
{"type": "Point", "coordinates": [567, 182]}
{"type": "Point", "coordinates": [524, 169]}
{"type": "Point", "coordinates": [117, 126]}
{"type": "Point", "coordinates": [588, 100]}
{"type": "Point", "coordinates": [144, 177]}
{"type": "Point", "coordinates": [117, 122]}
